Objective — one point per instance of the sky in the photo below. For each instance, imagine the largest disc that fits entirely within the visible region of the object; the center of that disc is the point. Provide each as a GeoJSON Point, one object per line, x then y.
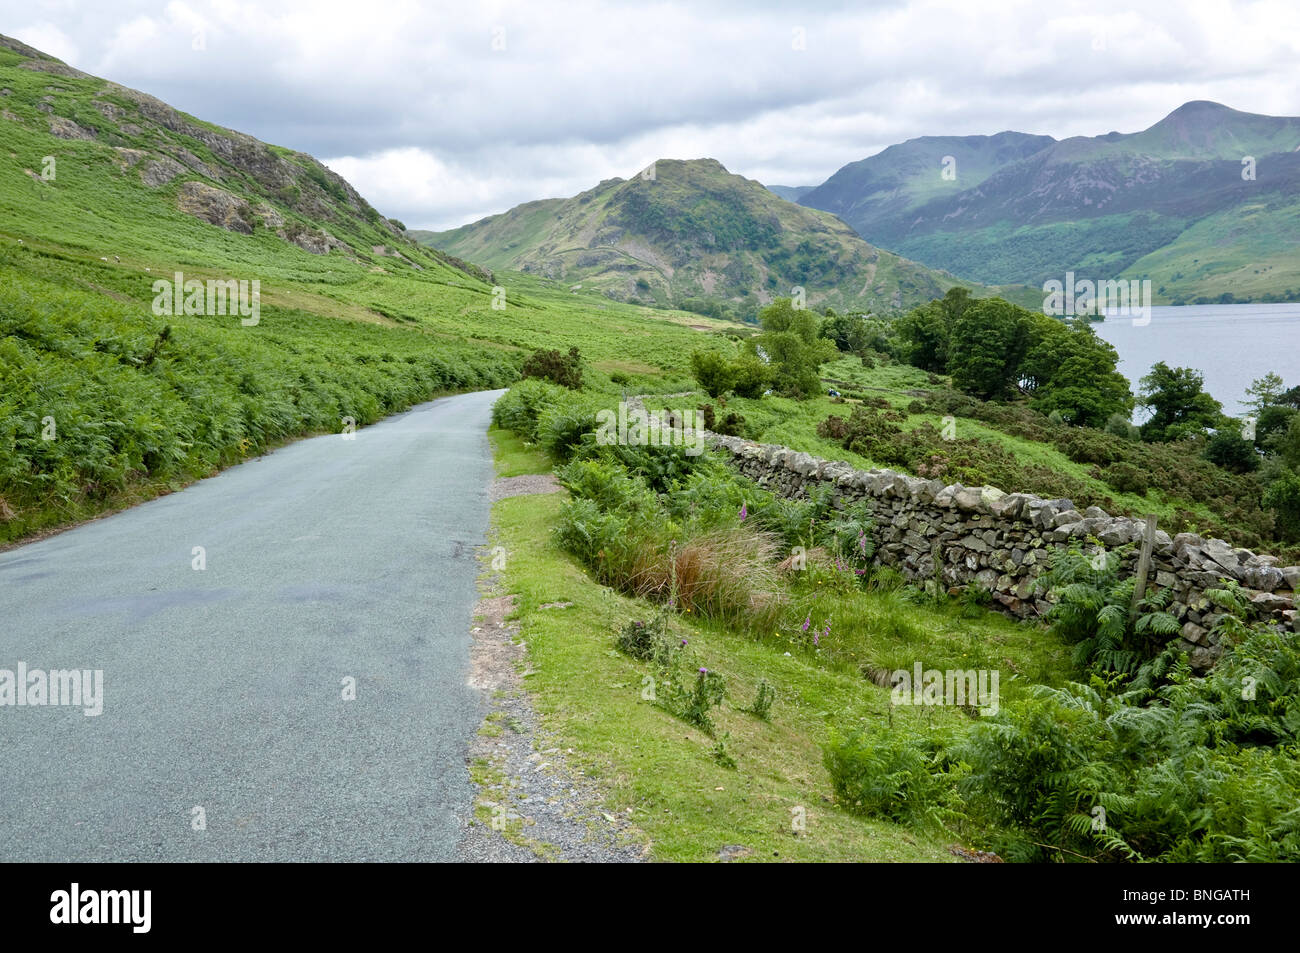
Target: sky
{"type": "Point", "coordinates": [442, 113]}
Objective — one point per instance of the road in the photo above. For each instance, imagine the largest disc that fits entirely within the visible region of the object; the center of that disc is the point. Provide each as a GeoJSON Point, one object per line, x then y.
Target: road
{"type": "Point", "coordinates": [225, 733]}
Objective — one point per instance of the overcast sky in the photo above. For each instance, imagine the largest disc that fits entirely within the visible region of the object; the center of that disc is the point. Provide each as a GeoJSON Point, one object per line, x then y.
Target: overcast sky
{"type": "Point", "coordinates": [443, 113]}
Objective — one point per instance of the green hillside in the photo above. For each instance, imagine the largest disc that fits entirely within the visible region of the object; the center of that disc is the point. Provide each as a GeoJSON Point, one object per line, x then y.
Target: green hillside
{"type": "Point", "coordinates": [909, 174]}
{"type": "Point", "coordinates": [1156, 203]}
{"type": "Point", "coordinates": [104, 403]}
{"type": "Point", "coordinates": [695, 233]}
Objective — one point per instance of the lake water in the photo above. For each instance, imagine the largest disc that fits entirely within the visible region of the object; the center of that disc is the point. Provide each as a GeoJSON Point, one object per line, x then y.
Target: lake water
{"type": "Point", "coordinates": [1231, 344]}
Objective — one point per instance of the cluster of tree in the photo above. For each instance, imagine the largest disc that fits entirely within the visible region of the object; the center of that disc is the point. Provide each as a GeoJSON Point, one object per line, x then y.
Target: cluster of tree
{"type": "Point", "coordinates": [784, 357]}
{"type": "Point", "coordinates": [995, 350]}
{"type": "Point", "coordinates": [1275, 414]}
{"type": "Point", "coordinates": [1267, 441]}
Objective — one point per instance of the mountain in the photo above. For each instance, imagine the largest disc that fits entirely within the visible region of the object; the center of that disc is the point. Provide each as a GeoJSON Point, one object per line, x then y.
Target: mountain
{"type": "Point", "coordinates": [791, 193]}
{"type": "Point", "coordinates": [907, 175]}
{"type": "Point", "coordinates": [690, 231]}
{"type": "Point", "coordinates": [218, 176]}
{"type": "Point", "coordinates": [1173, 203]}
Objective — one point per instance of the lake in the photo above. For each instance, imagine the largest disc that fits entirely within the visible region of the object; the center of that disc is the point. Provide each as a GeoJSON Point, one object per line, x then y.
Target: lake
{"type": "Point", "coordinates": [1232, 344]}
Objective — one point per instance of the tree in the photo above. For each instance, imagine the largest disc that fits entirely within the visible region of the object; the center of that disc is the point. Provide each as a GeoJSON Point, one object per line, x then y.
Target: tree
{"type": "Point", "coordinates": [1272, 424]}
{"type": "Point", "coordinates": [923, 337]}
{"type": "Point", "coordinates": [793, 348]}
{"type": "Point", "coordinates": [714, 372]}
{"type": "Point", "coordinates": [1228, 449]}
{"type": "Point", "coordinates": [562, 369]}
{"type": "Point", "coordinates": [753, 377]}
{"type": "Point", "coordinates": [1071, 370]}
{"type": "Point", "coordinates": [856, 333]}
{"type": "Point", "coordinates": [1178, 402]}
{"type": "Point", "coordinates": [925, 332]}
{"type": "Point", "coordinates": [1283, 498]}
{"type": "Point", "coordinates": [1286, 445]}
{"type": "Point", "coordinates": [1264, 392]}
{"type": "Point", "coordinates": [986, 346]}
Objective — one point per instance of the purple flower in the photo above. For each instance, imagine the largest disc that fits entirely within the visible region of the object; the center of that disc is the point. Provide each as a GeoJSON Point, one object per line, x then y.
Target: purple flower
{"type": "Point", "coordinates": [744, 511]}
{"type": "Point", "coordinates": [704, 671]}
{"type": "Point", "coordinates": [806, 622]}
{"type": "Point", "coordinates": [683, 642]}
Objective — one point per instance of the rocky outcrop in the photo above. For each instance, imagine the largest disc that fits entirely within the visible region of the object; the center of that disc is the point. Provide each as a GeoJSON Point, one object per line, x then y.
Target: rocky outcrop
{"type": "Point", "coordinates": [961, 535]}
{"type": "Point", "coordinates": [215, 206]}
{"type": "Point", "coordinates": [158, 172]}
{"type": "Point", "coordinates": [311, 240]}
{"type": "Point", "coordinates": [67, 129]}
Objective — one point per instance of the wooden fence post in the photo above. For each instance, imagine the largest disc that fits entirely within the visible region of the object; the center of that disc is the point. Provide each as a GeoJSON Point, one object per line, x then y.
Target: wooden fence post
{"type": "Point", "coordinates": [1144, 563]}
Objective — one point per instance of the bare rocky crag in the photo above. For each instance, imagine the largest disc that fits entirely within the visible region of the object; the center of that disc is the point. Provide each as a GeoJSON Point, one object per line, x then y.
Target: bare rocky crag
{"type": "Point", "coordinates": [1003, 541]}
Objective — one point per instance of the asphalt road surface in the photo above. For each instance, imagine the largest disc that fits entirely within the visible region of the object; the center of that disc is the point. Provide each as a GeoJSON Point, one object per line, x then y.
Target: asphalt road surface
{"type": "Point", "coordinates": [225, 733]}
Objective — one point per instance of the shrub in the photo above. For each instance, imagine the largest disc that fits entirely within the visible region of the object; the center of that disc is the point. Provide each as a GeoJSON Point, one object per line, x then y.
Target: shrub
{"type": "Point", "coordinates": [713, 372]}
{"type": "Point", "coordinates": [1232, 452]}
{"type": "Point", "coordinates": [732, 425]}
{"type": "Point", "coordinates": [647, 641]}
{"type": "Point", "coordinates": [1283, 497]}
{"type": "Point", "coordinates": [518, 408]}
{"type": "Point", "coordinates": [562, 369]}
{"type": "Point", "coordinates": [895, 777]}
{"type": "Point", "coordinates": [1126, 478]}
{"type": "Point", "coordinates": [1117, 425]}
{"type": "Point", "coordinates": [562, 425]}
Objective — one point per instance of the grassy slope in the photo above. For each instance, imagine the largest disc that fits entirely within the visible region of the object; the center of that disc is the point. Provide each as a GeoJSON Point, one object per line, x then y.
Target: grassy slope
{"type": "Point", "coordinates": [354, 332]}
{"type": "Point", "coordinates": [687, 805]}
{"type": "Point", "coordinates": [1251, 251]}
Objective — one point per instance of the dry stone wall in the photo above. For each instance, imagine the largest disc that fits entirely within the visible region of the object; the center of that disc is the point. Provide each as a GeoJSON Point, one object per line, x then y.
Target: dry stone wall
{"type": "Point", "coordinates": [1003, 541]}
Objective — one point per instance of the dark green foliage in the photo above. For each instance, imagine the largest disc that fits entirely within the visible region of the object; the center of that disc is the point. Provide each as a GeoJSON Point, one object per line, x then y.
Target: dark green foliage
{"type": "Point", "coordinates": [138, 404]}
{"type": "Point", "coordinates": [1126, 478]}
{"type": "Point", "coordinates": [1176, 469]}
{"type": "Point", "coordinates": [562, 369]}
{"type": "Point", "coordinates": [1283, 497]}
{"type": "Point", "coordinates": [1229, 450]}
{"type": "Point", "coordinates": [732, 425]}
{"type": "Point", "coordinates": [1179, 405]}
{"type": "Point", "coordinates": [520, 408]}
{"type": "Point", "coordinates": [793, 348]}
{"type": "Point", "coordinates": [1092, 611]}
{"type": "Point", "coordinates": [713, 372]}
{"type": "Point", "coordinates": [924, 333]}
{"type": "Point", "coordinates": [745, 376]}
{"type": "Point", "coordinates": [1070, 370]}
{"type": "Point", "coordinates": [877, 435]}
{"type": "Point", "coordinates": [1271, 424]}
{"type": "Point", "coordinates": [896, 777]}
{"type": "Point", "coordinates": [986, 346]}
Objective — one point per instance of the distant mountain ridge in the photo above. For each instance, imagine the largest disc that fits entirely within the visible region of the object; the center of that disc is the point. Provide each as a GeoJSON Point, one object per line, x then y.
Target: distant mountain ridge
{"type": "Point", "coordinates": [691, 231]}
{"type": "Point", "coordinates": [1204, 202]}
